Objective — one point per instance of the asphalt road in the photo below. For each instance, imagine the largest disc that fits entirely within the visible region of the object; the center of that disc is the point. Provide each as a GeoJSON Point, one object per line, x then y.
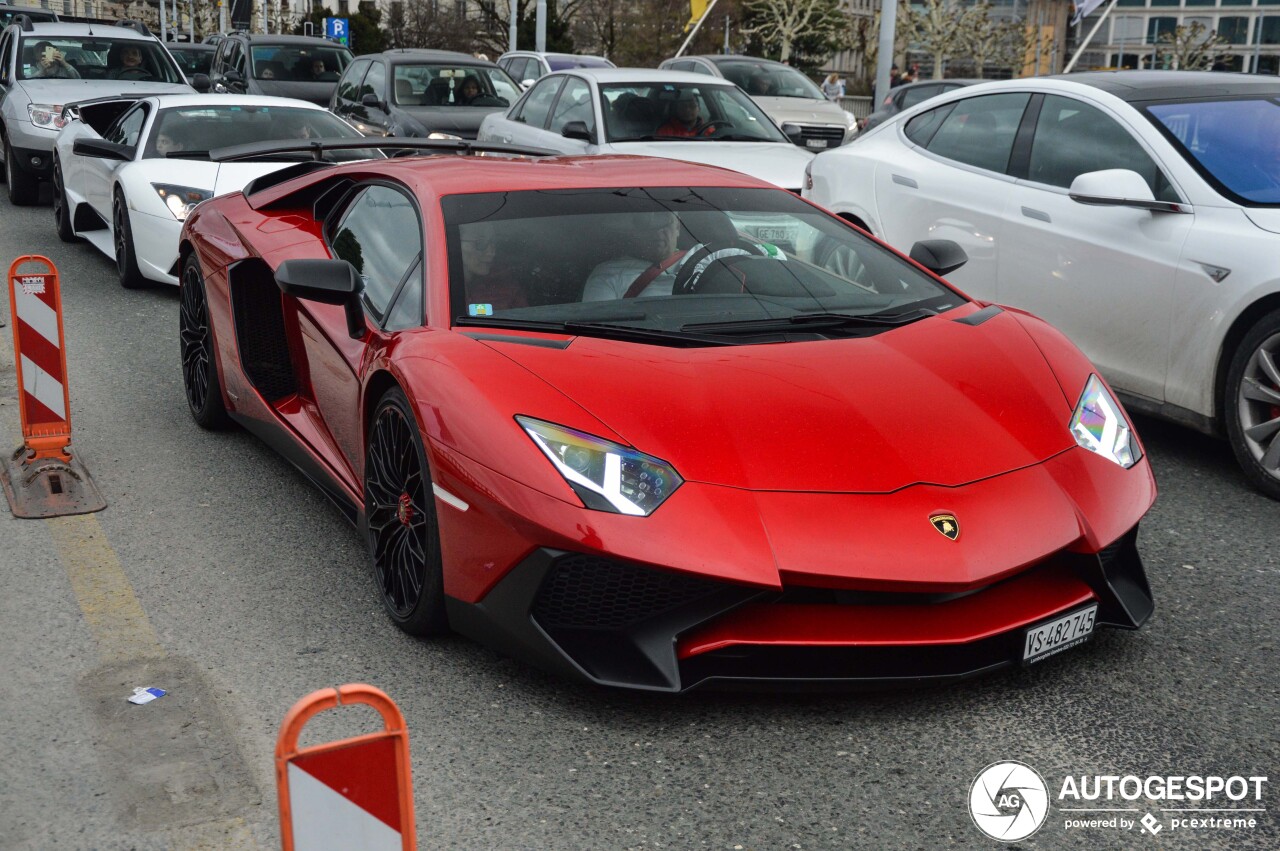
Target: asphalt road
{"type": "Point", "coordinates": [241, 589]}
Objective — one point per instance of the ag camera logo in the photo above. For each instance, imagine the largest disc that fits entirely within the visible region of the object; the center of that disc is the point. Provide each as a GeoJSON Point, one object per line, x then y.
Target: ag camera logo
{"type": "Point", "coordinates": [1008, 801]}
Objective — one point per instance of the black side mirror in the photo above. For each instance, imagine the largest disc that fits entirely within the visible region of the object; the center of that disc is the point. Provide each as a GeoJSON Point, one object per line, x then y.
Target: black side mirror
{"type": "Point", "coordinates": [201, 83]}
{"type": "Point", "coordinates": [327, 282]}
{"type": "Point", "coordinates": [233, 76]}
{"type": "Point", "coordinates": [577, 130]}
{"type": "Point", "coordinates": [939, 256]}
{"type": "Point", "coordinates": [370, 99]}
{"type": "Point", "coordinates": [102, 149]}
{"type": "Point", "coordinates": [793, 132]}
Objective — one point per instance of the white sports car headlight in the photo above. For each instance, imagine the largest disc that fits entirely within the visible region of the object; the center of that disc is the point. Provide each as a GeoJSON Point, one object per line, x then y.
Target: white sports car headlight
{"type": "Point", "coordinates": [605, 475]}
{"type": "Point", "coordinates": [181, 200]}
{"type": "Point", "coordinates": [47, 115]}
{"type": "Point", "coordinates": [1098, 424]}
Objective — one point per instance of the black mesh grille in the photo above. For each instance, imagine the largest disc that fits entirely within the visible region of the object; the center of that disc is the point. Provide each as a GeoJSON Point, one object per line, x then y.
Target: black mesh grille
{"type": "Point", "coordinates": [833, 136]}
{"type": "Point", "coordinates": [264, 350]}
{"type": "Point", "coordinates": [591, 592]}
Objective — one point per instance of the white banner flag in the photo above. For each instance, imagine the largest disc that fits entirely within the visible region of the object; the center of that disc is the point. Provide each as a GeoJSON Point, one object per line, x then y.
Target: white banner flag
{"type": "Point", "coordinates": [1084, 8]}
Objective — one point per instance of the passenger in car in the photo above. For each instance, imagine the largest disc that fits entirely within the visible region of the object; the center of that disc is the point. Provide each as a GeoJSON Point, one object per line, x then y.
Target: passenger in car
{"type": "Point", "coordinates": [51, 63]}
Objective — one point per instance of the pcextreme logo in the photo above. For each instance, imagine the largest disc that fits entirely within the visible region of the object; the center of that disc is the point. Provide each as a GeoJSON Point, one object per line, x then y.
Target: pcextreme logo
{"type": "Point", "coordinates": [1010, 800]}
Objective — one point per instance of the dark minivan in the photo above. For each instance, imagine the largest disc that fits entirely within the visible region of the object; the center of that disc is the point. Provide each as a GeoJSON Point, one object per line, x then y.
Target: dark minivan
{"type": "Point", "coordinates": [433, 94]}
{"type": "Point", "coordinates": [289, 66]}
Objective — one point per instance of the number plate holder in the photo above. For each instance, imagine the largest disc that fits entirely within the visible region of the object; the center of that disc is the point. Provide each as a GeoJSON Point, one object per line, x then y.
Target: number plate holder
{"type": "Point", "coordinates": [1049, 638]}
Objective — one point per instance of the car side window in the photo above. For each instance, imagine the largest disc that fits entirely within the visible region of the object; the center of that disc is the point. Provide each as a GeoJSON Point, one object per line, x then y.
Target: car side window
{"type": "Point", "coordinates": [349, 87]}
{"type": "Point", "coordinates": [380, 234]}
{"type": "Point", "coordinates": [1073, 138]}
{"type": "Point", "coordinates": [407, 311]}
{"type": "Point", "coordinates": [917, 94]}
{"type": "Point", "coordinates": [682, 65]}
{"type": "Point", "coordinates": [921, 128]}
{"type": "Point", "coordinates": [375, 82]}
{"type": "Point", "coordinates": [980, 131]}
{"type": "Point", "coordinates": [700, 68]}
{"type": "Point", "coordinates": [538, 103]}
{"type": "Point", "coordinates": [574, 104]}
{"type": "Point", "coordinates": [6, 54]}
{"type": "Point", "coordinates": [128, 128]}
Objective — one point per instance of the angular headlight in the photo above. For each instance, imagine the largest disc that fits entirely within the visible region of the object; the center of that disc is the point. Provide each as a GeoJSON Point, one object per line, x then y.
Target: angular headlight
{"type": "Point", "coordinates": [1099, 426]}
{"type": "Point", "coordinates": [47, 115]}
{"type": "Point", "coordinates": [181, 200]}
{"type": "Point", "coordinates": [606, 476]}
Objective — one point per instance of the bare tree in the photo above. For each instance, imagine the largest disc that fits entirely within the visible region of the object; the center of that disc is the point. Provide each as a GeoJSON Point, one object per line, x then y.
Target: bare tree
{"type": "Point", "coordinates": [790, 20]}
{"type": "Point", "coordinates": [1193, 47]}
{"type": "Point", "coordinates": [942, 28]}
{"type": "Point", "coordinates": [431, 23]}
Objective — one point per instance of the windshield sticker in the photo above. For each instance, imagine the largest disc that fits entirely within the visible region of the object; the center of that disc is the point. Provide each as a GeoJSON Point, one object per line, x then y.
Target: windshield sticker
{"type": "Point", "coordinates": [479, 309]}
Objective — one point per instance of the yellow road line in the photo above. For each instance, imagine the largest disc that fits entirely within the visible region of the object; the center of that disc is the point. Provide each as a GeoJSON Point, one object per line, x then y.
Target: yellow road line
{"type": "Point", "coordinates": [116, 620]}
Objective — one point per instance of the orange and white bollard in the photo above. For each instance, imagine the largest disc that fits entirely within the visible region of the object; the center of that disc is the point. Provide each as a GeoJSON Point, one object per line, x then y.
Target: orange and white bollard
{"type": "Point", "coordinates": [354, 793]}
{"type": "Point", "coordinates": [42, 478]}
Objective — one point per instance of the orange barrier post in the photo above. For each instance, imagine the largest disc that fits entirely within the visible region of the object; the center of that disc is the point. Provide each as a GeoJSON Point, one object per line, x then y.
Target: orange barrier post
{"type": "Point", "coordinates": [42, 478]}
{"type": "Point", "coordinates": [352, 793]}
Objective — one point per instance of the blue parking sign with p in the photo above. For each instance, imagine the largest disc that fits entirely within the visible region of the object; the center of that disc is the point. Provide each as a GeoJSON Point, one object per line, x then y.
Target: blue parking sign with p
{"type": "Point", "coordinates": [336, 29]}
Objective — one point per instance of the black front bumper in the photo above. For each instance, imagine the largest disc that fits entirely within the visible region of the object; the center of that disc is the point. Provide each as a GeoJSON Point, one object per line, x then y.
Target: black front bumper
{"type": "Point", "coordinates": [615, 623]}
{"type": "Point", "coordinates": [34, 161]}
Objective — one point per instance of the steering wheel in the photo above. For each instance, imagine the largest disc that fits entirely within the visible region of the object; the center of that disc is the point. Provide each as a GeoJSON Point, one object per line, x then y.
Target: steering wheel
{"type": "Point", "coordinates": [717, 123]}
{"type": "Point", "coordinates": [133, 74]}
{"type": "Point", "coordinates": [701, 258]}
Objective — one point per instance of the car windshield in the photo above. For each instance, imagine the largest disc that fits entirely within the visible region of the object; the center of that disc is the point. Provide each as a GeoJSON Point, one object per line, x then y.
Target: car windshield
{"type": "Point", "coordinates": [1236, 143]}
{"type": "Point", "coordinates": [435, 84]}
{"type": "Point", "coordinates": [299, 64]}
{"type": "Point", "coordinates": [763, 79]}
{"type": "Point", "coordinates": [193, 59]}
{"type": "Point", "coordinates": [90, 58]}
{"type": "Point", "coordinates": [193, 131]}
{"type": "Point", "coordinates": [674, 263]}
{"type": "Point", "coordinates": [561, 63]}
{"type": "Point", "coordinates": [688, 112]}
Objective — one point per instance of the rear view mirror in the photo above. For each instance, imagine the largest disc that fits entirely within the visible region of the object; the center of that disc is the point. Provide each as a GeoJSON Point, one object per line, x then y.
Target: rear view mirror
{"type": "Point", "coordinates": [1118, 187]}
{"type": "Point", "coordinates": [939, 256]}
{"type": "Point", "coordinates": [577, 130]}
{"type": "Point", "coordinates": [326, 282]}
{"type": "Point", "coordinates": [101, 149]}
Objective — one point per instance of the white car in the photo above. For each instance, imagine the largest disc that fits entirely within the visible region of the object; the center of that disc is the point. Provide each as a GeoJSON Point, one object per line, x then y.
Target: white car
{"type": "Point", "coordinates": [590, 111]}
{"type": "Point", "coordinates": [127, 171]}
{"type": "Point", "coordinates": [1139, 212]}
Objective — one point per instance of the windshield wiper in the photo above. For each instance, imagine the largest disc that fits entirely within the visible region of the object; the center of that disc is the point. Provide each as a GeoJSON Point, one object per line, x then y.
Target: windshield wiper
{"type": "Point", "coordinates": [610, 330]}
{"type": "Point", "coordinates": [812, 322]}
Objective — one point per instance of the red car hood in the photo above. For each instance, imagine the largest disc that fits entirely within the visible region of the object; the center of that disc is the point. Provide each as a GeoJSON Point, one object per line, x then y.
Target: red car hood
{"type": "Point", "coordinates": [938, 401]}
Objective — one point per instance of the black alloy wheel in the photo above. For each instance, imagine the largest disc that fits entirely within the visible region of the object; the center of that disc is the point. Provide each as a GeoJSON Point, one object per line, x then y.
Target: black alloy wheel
{"type": "Point", "coordinates": [122, 240]}
{"type": "Point", "coordinates": [199, 370]}
{"type": "Point", "coordinates": [400, 526]}
{"type": "Point", "coordinates": [1252, 405]}
{"type": "Point", "coordinates": [61, 210]}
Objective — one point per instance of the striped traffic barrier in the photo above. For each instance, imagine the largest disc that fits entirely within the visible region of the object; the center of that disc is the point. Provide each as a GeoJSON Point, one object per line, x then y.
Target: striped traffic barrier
{"type": "Point", "coordinates": [43, 478]}
{"type": "Point", "coordinates": [353, 793]}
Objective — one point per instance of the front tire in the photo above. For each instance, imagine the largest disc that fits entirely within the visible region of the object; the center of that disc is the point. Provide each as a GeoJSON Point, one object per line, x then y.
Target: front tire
{"type": "Point", "coordinates": [24, 188]}
{"type": "Point", "coordinates": [199, 367]}
{"type": "Point", "coordinates": [1252, 405]}
{"type": "Point", "coordinates": [122, 237]}
{"type": "Point", "coordinates": [61, 210]}
{"type": "Point", "coordinates": [401, 531]}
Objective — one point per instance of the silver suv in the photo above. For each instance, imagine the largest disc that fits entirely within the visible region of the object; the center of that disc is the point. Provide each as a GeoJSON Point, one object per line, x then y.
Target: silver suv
{"type": "Point", "coordinates": [44, 67]}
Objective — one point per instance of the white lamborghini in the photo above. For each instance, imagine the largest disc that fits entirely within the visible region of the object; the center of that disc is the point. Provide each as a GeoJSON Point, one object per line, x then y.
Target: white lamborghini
{"type": "Point", "coordinates": [128, 170]}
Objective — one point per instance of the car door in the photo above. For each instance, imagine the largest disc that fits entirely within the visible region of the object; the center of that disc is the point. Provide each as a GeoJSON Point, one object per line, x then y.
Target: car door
{"type": "Point", "coordinates": [529, 119]}
{"type": "Point", "coordinates": [98, 171]}
{"type": "Point", "coordinates": [1103, 275]}
{"type": "Point", "coordinates": [949, 180]}
{"type": "Point", "coordinates": [379, 232]}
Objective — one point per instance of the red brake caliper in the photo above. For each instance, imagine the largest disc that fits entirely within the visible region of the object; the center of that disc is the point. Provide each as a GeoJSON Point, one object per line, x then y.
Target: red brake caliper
{"type": "Point", "coordinates": [405, 509]}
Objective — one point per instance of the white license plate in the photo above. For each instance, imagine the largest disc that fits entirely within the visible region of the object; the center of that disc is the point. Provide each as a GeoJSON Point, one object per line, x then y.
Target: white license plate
{"type": "Point", "coordinates": [1057, 635]}
{"type": "Point", "coordinates": [776, 234]}
{"type": "Point", "coordinates": [815, 143]}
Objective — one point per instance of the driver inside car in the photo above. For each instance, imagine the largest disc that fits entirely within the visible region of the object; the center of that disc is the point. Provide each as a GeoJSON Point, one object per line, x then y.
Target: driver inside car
{"type": "Point", "coordinates": [650, 267]}
{"type": "Point", "coordinates": [685, 118]}
{"type": "Point", "coordinates": [131, 67]}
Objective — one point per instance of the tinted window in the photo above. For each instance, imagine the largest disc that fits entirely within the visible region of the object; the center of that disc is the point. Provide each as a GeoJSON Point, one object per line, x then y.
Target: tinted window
{"type": "Point", "coordinates": [407, 311]}
{"type": "Point", "coordinates": [921, 128]}
{"type": "Point", "coordinates": [1073, 138]}
{"type": "Point", "coordinates": [192, 60]}
{"type": "Point", "coordinates": [381, 237]}
{"type": "Point", "coordinates": [128, 128]}
{"type": "Point", "coordinates": [574, 105]}
{"type": "Point", "coordinates": [916, 94]}
{"type": "Point", "coordinates": [375, 82]}
{"type": "Point", "coordinates": [305, 63]}
{"type": "Point", "coordinates": [684, 65]}
{"type": "Point", "coordinates": [980, 131]}
{"type": "Point", "coordinates": [349, 88]}
{"type": "Point", "coordinates": [217, 124]}
{"type": "Point", "coordinates": [538, 104]}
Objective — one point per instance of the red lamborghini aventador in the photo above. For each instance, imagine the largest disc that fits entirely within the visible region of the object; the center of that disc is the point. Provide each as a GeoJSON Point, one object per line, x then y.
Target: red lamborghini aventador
{"type": "Point", "coordinates": [658, 425]}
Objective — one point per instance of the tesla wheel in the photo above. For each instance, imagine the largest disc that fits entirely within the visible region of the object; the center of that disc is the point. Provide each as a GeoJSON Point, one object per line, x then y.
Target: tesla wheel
{"type": "Point", "coordinates": [24, 188]}
{"type": "Point", "coordinates": [199, 370]}
{"type": "Point", "coordinates": [61, 210]}
{"type": "Point", "coordinates": [839, 258]}
{"type": "Point", "coordinates": [1253, 404]}
{"type": "Point", "coordinates": [122, 238]}
{"type": "Point", "coordinates": [402, 534]}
